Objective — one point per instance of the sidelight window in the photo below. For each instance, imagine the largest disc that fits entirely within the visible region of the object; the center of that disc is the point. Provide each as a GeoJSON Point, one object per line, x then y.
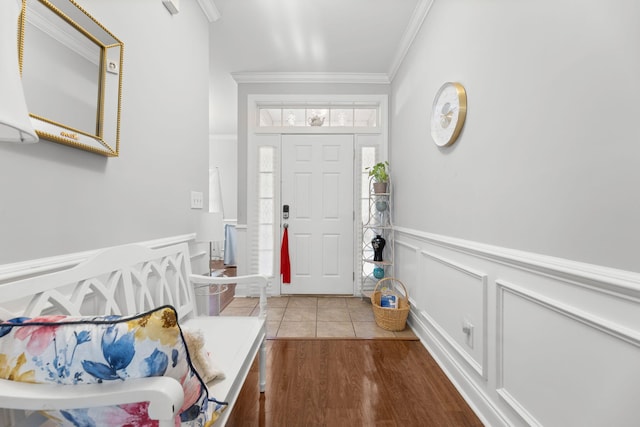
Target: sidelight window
{"type": "Point", "coordinates": [266, 214]}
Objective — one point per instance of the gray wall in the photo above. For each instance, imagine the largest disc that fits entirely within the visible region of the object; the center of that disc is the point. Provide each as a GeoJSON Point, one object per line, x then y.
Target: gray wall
{"type": "Point", "coordinates": [246, 89]}
{"type": "Point", "coordinates": [56, 199]}
{"type": "Point", "coordinates": [548, 158]}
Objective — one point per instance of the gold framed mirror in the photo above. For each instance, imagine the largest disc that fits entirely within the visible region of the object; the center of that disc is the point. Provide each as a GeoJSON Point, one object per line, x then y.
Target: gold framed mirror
{"type": "Point", "coordinates": [71, 69]}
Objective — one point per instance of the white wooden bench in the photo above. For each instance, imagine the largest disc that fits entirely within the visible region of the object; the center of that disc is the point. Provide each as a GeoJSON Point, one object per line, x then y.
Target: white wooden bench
{"type": "Point", "coordinates": [126, 280]}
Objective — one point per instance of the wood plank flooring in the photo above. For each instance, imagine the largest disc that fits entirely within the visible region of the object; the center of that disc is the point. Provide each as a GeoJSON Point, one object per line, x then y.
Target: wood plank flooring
{"type": "Point", "coordinates": [350, 383]}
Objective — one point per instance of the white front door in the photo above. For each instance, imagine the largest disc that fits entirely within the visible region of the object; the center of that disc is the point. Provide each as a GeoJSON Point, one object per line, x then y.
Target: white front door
{"type": "Point", "coordinates": [317, 185]}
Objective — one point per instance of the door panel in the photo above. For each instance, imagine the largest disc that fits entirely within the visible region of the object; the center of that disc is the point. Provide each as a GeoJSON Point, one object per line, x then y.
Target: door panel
{"type": "Point", "coordinates": [302, 261]}
{"type": "Point", "coordinates": [317, 184]}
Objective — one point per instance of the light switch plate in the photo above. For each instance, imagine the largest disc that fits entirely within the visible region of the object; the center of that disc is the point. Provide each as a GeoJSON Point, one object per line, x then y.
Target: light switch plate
{"type": "Point", "coordinates": [196, 200]}
{"type": "Point", "coordinates": [468, 329]}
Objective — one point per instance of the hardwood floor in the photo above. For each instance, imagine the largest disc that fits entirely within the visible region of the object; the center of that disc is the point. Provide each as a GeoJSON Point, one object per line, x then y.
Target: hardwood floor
{"type": "Point", "coordinates": [350, 383]}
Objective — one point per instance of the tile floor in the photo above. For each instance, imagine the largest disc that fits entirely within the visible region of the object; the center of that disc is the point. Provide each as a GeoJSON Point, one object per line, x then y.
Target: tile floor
{"type": "Point", "coordinates": [316, 317]}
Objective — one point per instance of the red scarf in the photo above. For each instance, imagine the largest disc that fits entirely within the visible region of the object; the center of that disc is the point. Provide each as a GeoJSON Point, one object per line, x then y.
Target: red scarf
{"type": "Point", "coordinates": [285, 263]}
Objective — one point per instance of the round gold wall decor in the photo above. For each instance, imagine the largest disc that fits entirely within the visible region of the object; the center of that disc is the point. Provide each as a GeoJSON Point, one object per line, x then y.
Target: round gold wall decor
{"type": "Point", "coordinates": [448, 113]}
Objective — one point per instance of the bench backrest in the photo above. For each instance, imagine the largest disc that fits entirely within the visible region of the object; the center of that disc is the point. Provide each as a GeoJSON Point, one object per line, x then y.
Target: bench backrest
{"type": "Point", "coordinates": [121, 280]}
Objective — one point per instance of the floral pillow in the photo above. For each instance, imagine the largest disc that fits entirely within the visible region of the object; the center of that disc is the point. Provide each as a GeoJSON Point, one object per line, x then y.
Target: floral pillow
{"type": "Point", "coordinates": [84, 350]}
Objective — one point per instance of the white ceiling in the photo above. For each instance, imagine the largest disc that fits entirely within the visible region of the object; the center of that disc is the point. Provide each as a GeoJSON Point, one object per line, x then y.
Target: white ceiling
{"type": "Point", "coordinates": [304, 36]}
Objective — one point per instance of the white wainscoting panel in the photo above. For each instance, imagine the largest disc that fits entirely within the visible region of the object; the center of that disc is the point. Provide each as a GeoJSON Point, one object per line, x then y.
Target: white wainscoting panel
{"type": "Point", "coordinates": [407, 272]}
{"type": "Point", "coordinates": [457, 295]}
{"type": "Point", "coordinates": [549, 352]}
{"type": "Point", "coordinates": [556, 342]}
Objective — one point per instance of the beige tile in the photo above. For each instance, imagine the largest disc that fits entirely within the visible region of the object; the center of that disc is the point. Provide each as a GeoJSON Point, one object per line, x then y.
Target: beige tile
{"type": "Point", "coordinates": [243, 302]}
{"type": "Point", "coordinates": [406, 333]}
{"type": "Point", "coordinates": [302, 302]}
{"type": "Point", "coordinates": [371, 330]}
{"type": "Point", "coordinates": [275, 313]}
{"type": "Point", "coordinates": [333, 315]}
{"type": "Point", "coordinates": [335, 329]}
{"type": "Point", "coordinates": [305, 317]}
{"type": "Point", "coordinates": [299, 315]}
{"type": "Point", "coordinates": [355, 303]}
{"type": "Point", "coordinates": [362, 314]}
{"type": "Point", "coordinates": [256, 310]}
{"type": "Point", "coordinates": [297, 329]}
{"type": "Point", "coordinates": [277, 301]}
{"type": "Point", "coordinates": [332, 302]}
{"type": "Point", "coordinates": [272, 328]}
{"type": "Point", "coordinates": [237, 311]}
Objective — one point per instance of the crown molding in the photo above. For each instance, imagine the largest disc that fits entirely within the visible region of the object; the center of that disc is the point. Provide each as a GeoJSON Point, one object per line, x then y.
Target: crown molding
{"type": "Point", "coordinates": [209, 9]}
{"type": "Point", "coordinates": [310, 77]}
{"type": "Point", "coordinates": [417, 19]}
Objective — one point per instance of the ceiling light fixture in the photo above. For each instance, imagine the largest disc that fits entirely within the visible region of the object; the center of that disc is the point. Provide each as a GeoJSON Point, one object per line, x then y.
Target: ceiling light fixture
{"type": "Point", "coordinates": [173, 6]}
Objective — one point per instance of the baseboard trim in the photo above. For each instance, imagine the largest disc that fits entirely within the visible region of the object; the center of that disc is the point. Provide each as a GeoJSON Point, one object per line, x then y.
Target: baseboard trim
{"type": "Point", "coordinates": [479, 402]}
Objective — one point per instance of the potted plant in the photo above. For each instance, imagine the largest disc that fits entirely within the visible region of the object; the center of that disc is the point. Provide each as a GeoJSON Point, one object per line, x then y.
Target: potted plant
{"type": "Point", "coordinates": [380, 177]}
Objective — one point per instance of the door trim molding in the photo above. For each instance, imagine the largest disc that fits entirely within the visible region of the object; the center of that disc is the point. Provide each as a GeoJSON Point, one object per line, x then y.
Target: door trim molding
{"type": "Point", "coordinates": [246, 252]}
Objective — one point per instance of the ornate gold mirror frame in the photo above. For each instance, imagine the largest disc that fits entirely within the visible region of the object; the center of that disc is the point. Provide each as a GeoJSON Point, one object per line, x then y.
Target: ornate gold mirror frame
{"type": "Point", "coordinates": [71, 69]}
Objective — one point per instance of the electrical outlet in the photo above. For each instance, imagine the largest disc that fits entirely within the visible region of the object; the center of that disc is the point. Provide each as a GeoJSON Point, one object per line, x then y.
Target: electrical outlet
{"type": "Point", "coordinates": [467, 329]}
{"type": "Point", "coordinates": [196, 200]}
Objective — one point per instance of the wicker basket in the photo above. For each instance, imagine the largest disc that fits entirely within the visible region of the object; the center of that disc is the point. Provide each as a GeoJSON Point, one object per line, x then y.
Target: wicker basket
{"type": "Point", "coordinates": [391, 319]}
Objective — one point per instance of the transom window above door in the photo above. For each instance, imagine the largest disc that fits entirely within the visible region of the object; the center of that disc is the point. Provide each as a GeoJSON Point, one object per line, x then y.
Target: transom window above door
{"type": "Point", "coordinates": [319, 116]}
